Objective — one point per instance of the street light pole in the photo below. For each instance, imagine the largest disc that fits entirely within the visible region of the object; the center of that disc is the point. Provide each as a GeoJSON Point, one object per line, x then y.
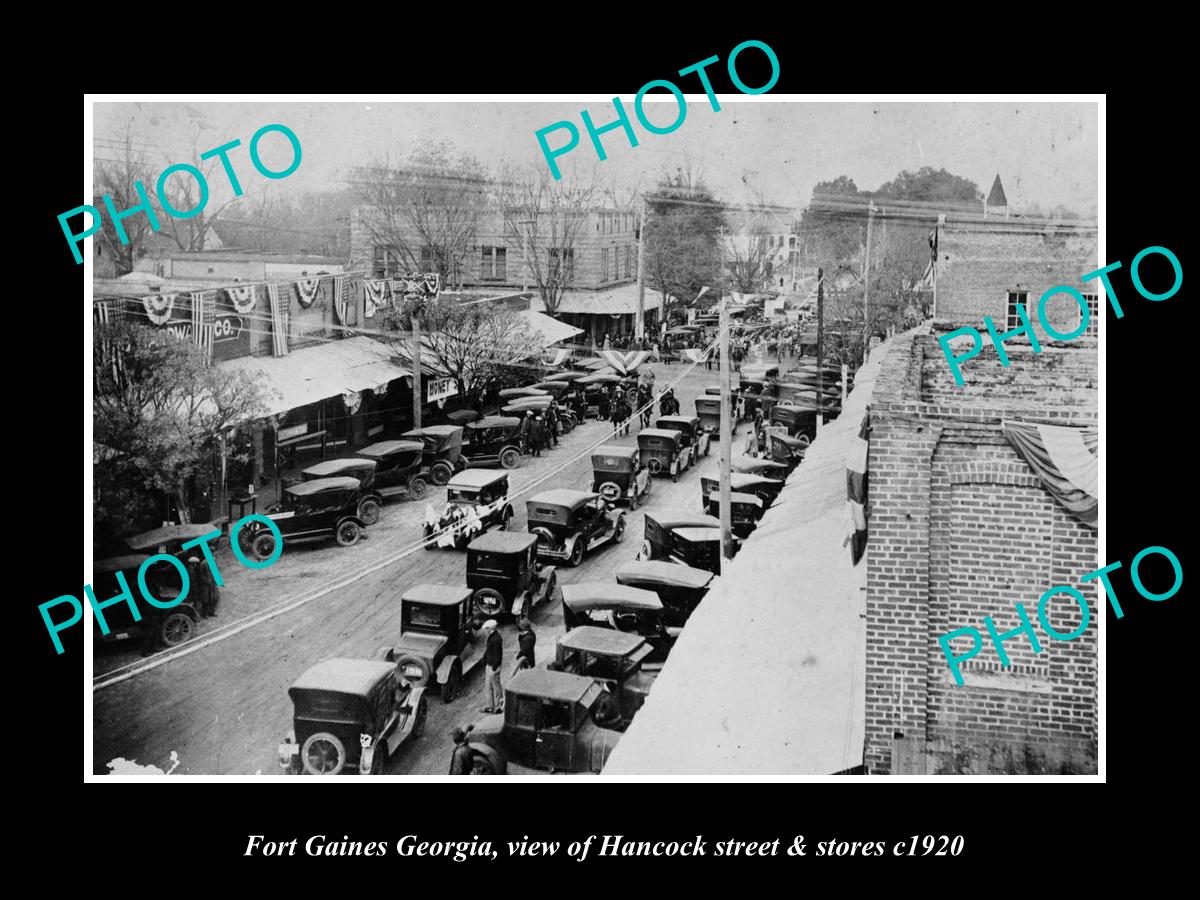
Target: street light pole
{"type": "Point", "coordinates": [640, 326]}
{"type": "Point", "coordinates": [725, 455]}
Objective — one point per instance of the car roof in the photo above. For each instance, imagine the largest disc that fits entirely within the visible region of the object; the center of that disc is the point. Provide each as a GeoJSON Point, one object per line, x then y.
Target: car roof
{"type": "Point", "coordinates": [605, 641]}
{"type": "Point", "coordinates": [745, 479]}
{"type": "Point", "coordinates": [319, 485]}
{"type": "Point", "coordinates": [698, 534]}
{"type": "Point", "coordinates": [333, 466]}
{"type": "Point", "coordinates": [387, 448]}
{"type": "Point", "coordinates": [668, 573]}
{"type": "Point", "coordinates": [563, 497]}
{"type": "Point", "coordinates": [607, 595]}
{"type": "Point", "coordinates": [659, 432]}
{"type": "Point", "coordinates": [344, 676]}
{"type": "Point", "coordinates": [737, 497]}
{"type": "Point", "coordinates": [476, 478]}
{"type": "Point", "coordinates": [615, 450]}
{"type": "Point", "coordinates": [503, 542]}
{"type": "Point", "coordinates": [691, 420]}
{"type": "Point", "coordinates": [119, 563]}
{"type": "Point", "coordinates": [168, 533]}
{"type": "Point", "coordinates": [756, 462]}
{"type": "Point", "coordinates": [552, 685]}
{"type": "Point", "coordinates": [494, 422]}
{"type": "Point", "coordinates": [437, 594]}
{"type": "Point", "coordinates": [673, 519]}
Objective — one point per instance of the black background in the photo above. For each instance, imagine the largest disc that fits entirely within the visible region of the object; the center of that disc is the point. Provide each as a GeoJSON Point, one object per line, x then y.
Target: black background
{"type": "Point", "coordinates": [1008, 825]}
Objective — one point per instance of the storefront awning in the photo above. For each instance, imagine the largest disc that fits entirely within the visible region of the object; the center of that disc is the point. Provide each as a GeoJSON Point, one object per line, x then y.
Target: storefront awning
{"type": "Point", "coordinates": [551, 330]}
{"type": "Point", "coordinates": [316, 373]}
{"type": "Point", "coordinates": [616, 301]}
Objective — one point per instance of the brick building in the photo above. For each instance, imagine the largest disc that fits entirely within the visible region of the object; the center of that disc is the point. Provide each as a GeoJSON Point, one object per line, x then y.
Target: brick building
{"type": "Point", "coordinates": [961, 526]}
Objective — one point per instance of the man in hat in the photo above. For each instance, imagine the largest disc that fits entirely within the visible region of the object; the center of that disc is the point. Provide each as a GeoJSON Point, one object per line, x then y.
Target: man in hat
{"type": "Point", "coordinates": [493, 656]}
{"type": "Point", "coordinates": [460, 762]}
{"type": "Point", "coordinates": [207, 594]}
{"type": "Point", "coordinates": [523, 432]}
{"type": "Point", "coordinates": [526, 640]}
{"type": "Point", "coordinates": [537, 434]}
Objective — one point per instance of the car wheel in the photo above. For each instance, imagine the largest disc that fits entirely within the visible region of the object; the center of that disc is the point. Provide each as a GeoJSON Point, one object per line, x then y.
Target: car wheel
{"type": "Point", "coordinates": [348, 534]}
{"type": "Point", "coordinates": [610, 491]}
{"type": "Point", "coordinates": [440, 473]}
{"type": "Point", "coordinates": [415, 670]}
{"type": "Point", "coordinates": [489, 602]}
{"type": "Point", "coordinates": [510, 458]}
{"type": "Point", "coordinates": [654, 465]}
{"type": "Point", "coordinates": [323, 754]}
{"type": "Point", "coordinates": [263, 546]}
{"type": "Point", "coordinates": [619, 530]}
{"type": "Point", "coordinates": [176, 628]}
{"type": "Point", "coordinates": [453, 683]}
{"type": "Point", "coordinates": [576, 553]}
{"type": "Point", "coordinates": [368, 511]}
{"type": "Point", "coordinates": [481, 765]}
{"type": "Point", "coordinates": [417, 488]}
{"type": "Point", "coordinates": [646, 553]}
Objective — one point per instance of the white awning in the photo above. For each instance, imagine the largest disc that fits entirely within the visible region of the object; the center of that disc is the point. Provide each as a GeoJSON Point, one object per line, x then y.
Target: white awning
{"type": "Point", "coordinates": [551, 329]}
{"type": "Point", "coordinates": [620, 300]}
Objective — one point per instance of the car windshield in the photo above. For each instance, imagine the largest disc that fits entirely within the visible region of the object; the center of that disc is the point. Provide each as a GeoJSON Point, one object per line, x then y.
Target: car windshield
{"type": "Point", "coordinates": [420, 615]}
{"type": "Point", "coordinates": [462, 495]}
{"type": "Point", "coordinates": [493, 562]}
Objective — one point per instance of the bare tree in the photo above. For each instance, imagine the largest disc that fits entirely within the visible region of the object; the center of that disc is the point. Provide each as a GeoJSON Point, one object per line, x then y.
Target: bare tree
{"type": "Point", "coordinates": [425, 210]}
{"type": "Point", "coordinates": [116, 178]}
{"type": "Point", "coordinates": [543, 217]}
{"type": "Point", "coordinates": [182, 193]}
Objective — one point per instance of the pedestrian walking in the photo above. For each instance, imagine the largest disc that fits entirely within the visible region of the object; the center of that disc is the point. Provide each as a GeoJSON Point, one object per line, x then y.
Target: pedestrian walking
{"type": "Point", "coordinates": [526, 642]}
{"type": "Point", "coordinates": [461, 761]}
{"type": "Point", "coordinates": [624, 414]}
{"type": "Point", "coordinates": [523, 432]}
{"type": "Point", "coordinates": [615, 414]}
{"type": "Point", "coordinates": [207, 594]}
{"type": "Point", "coordinates": [493, 657]}
{"type": "Point", "coordinates": [537, 434]}
{"type": "Point", "coordinates": [552, 424]}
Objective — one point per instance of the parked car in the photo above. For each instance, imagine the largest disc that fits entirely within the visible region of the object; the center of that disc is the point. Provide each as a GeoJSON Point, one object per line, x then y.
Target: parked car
{"type": "Point", "coordinates": [165, 627]}
{"type": "Point", "coordinates": [504, 572]}
{"type": "Point", "coordinates": [309, 511]}
{"type": "Point", "coordinates": [618, 474]}
{"type": "Point", "coordinates": [633, 610]}
{"type": "Point", "coordinates": [476, 500]}
{"type": "Point", "coordinates": [514, 393]}
{"type": "Point", "coordinates": [350, 714]}
{"type": "Point", "coordinates": [549, 722]}
{"type": "Point", "coordinates": [659, 528]}
{"type": "Point", "coordinates": [699, 547]}
{"type": "Point", "coordinates": [788, 450]}
{"type": "Point", "coordinates": [438, 644]}
{"type": "Point", "coordinates": [759, 465]}
{"type": "Point", "coordinates": [442, 456]}
{"type": "Point", "coordinates": [370, 500]}
{"type": "Point", "coordinates": [679, 587]}
{"type": "Point", "coordinates": [708, 411]}
{"type": "Point", "coordinates": [398, 472]}
{"type": "Point", "coordinates": [798, 419]}
{"type": "Point", "coordinates": [171, 538]}
{"type": "Point", "coordinates": [766, 489]}
{"type": "Point", "coordinates": [745, 511]}
{"type": "Point", "coordinates": [614, 659]}
{"type": "Point", "coordinates": [695, 438]}
{"type": "Point", "coordinates": [692, 540]}
{"type": "Point", "coordinates": [570, 523]}
{"type": "Point", "coordinates": [493, 439]}
{"type": "Point", "coordinates": [663, 451]}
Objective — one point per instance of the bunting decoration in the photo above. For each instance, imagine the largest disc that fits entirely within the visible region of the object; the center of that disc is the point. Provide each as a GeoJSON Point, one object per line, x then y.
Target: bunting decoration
{"type": "Point", "coordinates": [306, 290]}
{"type": "Point", "coordinates": [856, 490]}
{"type": "Point", "coordinates": [158, 307]}
{"type": "Point", "coordinates": [373, 296]}
{"type": "Point", "coordinates": [625, 363]}
{"type": "Point", "coordinates": [1064, 460]}
{"type": "Point", "coordinates": [381, 390]}
{"type": "Point", "coordinates": [692, 354]}
{"type": "Point", "coordinates": [353, 400]}
{"type": "Point", "coordinates": [339, 299]}
{"type": "Point", "coordinates": [242, 298]}
{"type": "Point", "coordinates": [279, 320]}
{"type": "Point", "coordinates": [203, 304]}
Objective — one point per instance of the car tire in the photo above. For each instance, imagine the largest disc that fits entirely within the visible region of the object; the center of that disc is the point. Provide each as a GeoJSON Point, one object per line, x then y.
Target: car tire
{"type": "Point", "coordinates": [176, 628]}
{"type": "Point", "coordinates": [489, 602]}
{"type": "Point", "coordinates": [654, 465]}
{"type": "Point", "coordinates": [323, 745]}
{"type": "Point", "coordinates": [619, 530]}
{"type": "Point", "coordinates": [453, 683]}
{"type": "Point", "coordinates": [646, 553]}
{"type": "Point", "coordinates": [413, 669]}
{"type": "Point", "coordinates": [481, 765]}
{"type": "Point", "coordinates": [368, 511]}
{"type": "Point", "coordinates": [440, 473]}
{"type": "Point", "coordinates": [263, 546]}
{"type": "Point", "coordinates": [610, 491]}
{"type": "Point", "coordinates": [576, 556]}
{"type": "Point", "coordinates": [510, 458]}
{"type": "Point", "coordinates": [347, 534]}
{"type": "Point", "coordinates": [417, 488]}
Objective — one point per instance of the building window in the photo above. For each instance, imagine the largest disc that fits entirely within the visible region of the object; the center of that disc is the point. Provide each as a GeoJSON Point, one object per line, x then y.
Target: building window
{"type": "Point", "coordinates": [604, 264]}
{"type": "Point", "coordinates": [1093, 306]}
{"type": "Point", "coordinates": [386, 262]}
{"type": "Point", "coordinates": [494, 264]}
{"type": "Point", "coordinates": [1014, 298]}
{"type": "Point", "coordinates": [427, 264]}
{"type": "Point", "coordinates": [629, 261]}
{"type": "Point", "coordinates": [791, 242]}
{"type": "Point", "coordinates": [562, 264]}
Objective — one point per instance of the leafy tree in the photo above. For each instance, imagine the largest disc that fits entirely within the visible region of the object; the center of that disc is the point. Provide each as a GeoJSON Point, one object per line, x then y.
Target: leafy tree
{"type": "Point", "coordinates": [115, 176]}
{"type": "Point", "coordinates": [931, 185]}
{"type": "Point", "coordinates": [683, 238]}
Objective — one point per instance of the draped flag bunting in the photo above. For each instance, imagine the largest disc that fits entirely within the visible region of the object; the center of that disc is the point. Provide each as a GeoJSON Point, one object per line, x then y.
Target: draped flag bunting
{"type": "Point", "coordinates": [203, 304]}
{"type": "Point", "coordinates": [373, 295]}
{"type": "Point", "coordinates": [856, 490]}
{"type": "Point", "coordinates": [339, 299]}
{"type": "Point", "coordinates": [1065, 461]}
{"type": "Point", "coordinates": [242, 298]}
{"type": "Point", "coordinates": [279, 320]}
{"type": "Point", "coordinates": [158, 307]}
{"type": "Point", "coordinates": [353, 401]}
{"type": "Point", "coordinates": [692, 354]}
{"type": "Point", "coordinates": [625, 363]}
{"type": "Point", "coordinates": [306, 290]}
{"type": "Point", "coordinates": [381, 390]}
{"type": "Point", "coordinates": [107, 312]}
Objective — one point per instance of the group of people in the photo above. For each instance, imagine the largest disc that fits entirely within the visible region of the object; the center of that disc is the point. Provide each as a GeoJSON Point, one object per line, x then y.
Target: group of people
{"type": "Point", "coordinates": [540, 431]}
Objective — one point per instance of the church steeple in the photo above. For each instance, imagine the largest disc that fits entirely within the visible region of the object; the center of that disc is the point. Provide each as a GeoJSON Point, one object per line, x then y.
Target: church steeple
{"type": "Point", "coordinates": [996, 201]}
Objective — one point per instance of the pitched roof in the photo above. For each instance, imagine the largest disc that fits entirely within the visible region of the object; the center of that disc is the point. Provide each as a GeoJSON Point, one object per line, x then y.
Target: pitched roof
{"type": "Point", "coordinates": [996, 194]}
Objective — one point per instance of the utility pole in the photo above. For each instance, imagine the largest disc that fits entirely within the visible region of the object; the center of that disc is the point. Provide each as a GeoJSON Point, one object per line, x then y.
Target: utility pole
{"type": "Point", "coordinates": [640, 326]}
{"type": "Point", "coordinates": [867, 282]}
{"type": "Point", "coordinates": [723, 464]}
{"type": "Point", "coordinates": [820, 344]}
{"type": "Point", "coordinates": [416, 370]}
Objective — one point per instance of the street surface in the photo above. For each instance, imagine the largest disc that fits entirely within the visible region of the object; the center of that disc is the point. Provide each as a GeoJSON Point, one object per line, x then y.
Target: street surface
{"type": "Point", "coordinates": [224, 708]}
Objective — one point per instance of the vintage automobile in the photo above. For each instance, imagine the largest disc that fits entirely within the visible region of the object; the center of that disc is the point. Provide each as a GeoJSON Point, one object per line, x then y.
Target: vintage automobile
{"type": "Point", "coordinates": [744, 511]}
{"type": "Point", "coordinates": [708, 411]}
{"type": "Point", "coordinates": [658, 542]}
{"type": "Point", "coordinates": [570, 523]}
{"type": "Point", "coordinates": [504, 572]}
{"type": "Point", "coordinates": [309, 511]}
{"type": "Point", "coordinates": [476, 500]}
{"type": "Point", "coordinates": [695, 438]}
{"type": "Point", "coordinates": [438, 644]}
{"type": "Point", "coordinates": [463, 416]}
{"type": "Point", "coordinates": [618, 474]}
{"type": "Point", "coordinates": [539, 405]}
{"type": "Point", "coordinates": [664, 452]}
{"type": "Point", "coordinates": [766, 489]}
{"type": "Point", "coordinates": [614, 659]}
{"type": "Point", "coordinates": [621, 607]}
{"type": "Point", "coordinates": [680, 588]}
{"type": "Point", "coordinates": [370, 500]}
{"type": "Point", "coordinates": [549, 722]}
{"type": "Point", "coordinates": [787, 450]}
{"type": "Point", "coordinates": [798, 419]}
{"type": "Point", "coordinates": [171, 538]}
{"type": "Point", "coordinates": [556, 387]}
{"type": "Point", "coordinates": [493, 439]}
{"type": "Point", "coordinates": [166, 627]}
{"type": "Point", "coordinates": [442, 456]}
{"type": "Point", "coordinates": [759, 465]}
{"type": "Point", "coordinates": [398, 472]}
{"type": "Point", "coordinates": [350, 714]}
{"type": "Point", "coordinates": [511, 394]}
{"type": "Point", "coordinates": [699, 548]}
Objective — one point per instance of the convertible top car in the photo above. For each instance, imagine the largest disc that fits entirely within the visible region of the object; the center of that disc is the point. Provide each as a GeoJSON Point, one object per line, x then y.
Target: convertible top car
{"type": "Point", "coordinates": [352, 467]}
{"type": "Point", "coordinates": [570, 523]}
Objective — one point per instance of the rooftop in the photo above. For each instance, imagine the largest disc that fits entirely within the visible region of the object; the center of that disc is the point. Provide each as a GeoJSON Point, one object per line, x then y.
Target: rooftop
{"type": "Point", "coordinates": [344, 676]}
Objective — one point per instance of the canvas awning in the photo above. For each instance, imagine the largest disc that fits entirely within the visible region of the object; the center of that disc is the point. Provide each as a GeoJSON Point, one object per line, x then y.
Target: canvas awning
{"type": "Point", "coordinates": [551, 330]}
{"type": "Point", "coordinates": [1065, 461]}
{"type": "Point", "coordinates": [616, 301]}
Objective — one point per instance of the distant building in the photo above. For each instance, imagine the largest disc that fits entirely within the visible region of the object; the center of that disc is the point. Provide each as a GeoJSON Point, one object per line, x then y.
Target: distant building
{"type": "Point", "coordinates": [996, 203]}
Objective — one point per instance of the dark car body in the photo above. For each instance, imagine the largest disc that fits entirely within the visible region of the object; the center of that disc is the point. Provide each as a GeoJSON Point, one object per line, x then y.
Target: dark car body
{"type": "Point", "coordinates": [504, 572]}
{"type": "Point", "coordinates": [694, 436]}
{"type": "Point", "coordinates": [168, 627]}
{"type": "Point", "coordinates": [493, 439]}
{"type": "Point", "coordinates": [309, 511]}
{"type": "Point", "coordinates": [636, 611]}
{"type": "Point", "coordinates": [679, 587]}
{"type": "Point", "coordinates": [511, 394]}
{"type": "Point", "coordinates": [476, 500]}
{"type": "Point", "coordinates": [659, 536]}
{"type": "Point", "coordinates": [759, 465]}
{"type": "Point", "coordinates": [787, 450]}
{"type": "Point", "coordinates": [766, 489]}
{"type": "Point", "coordinates": [613, 658]}
{"type": "Point", "coordinates": [664, 452]}
{"type": "Point", "coordinates": [744, 511]}
{"type": "Point", "coordinates": [547, 723]}
{"type": "Point", "coordinates": [618, 474]}
{"type": "Point", "coordinates": [699, 548]}
{"type": "Point", "coordinates": [708, 411]}
{"type": "Point", "coordinates": [349, 714]}
{"type": "Point", "coordinates": [171, 538]}
{"type": "Point", "coordinates": [442, 456]}
{"type": "Point", "coordinates": [570, 523]}
{"type": "Point", "coordinates": [370, 500]}
{"type": "Point", "coordinates": [797, 419]}
{"type": "Point", "coordinates": [399, 468]}
{"type": "Point", "coordinates": [438, 645]}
